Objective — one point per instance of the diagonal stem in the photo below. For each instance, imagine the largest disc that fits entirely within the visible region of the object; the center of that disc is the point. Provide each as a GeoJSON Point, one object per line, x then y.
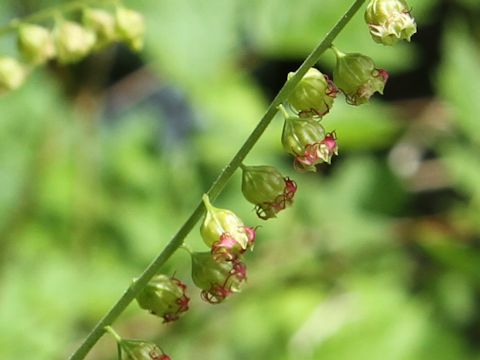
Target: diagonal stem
{"type": "Point", "coordinates": [215, 189]}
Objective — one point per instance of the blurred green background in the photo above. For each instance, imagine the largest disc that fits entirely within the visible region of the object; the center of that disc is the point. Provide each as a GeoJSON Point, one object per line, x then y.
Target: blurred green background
{"type": "Point", "coordinates": [101, 162]}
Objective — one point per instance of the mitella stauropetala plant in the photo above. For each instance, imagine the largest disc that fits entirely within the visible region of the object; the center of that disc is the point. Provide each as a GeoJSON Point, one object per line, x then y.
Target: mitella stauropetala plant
{"type": "Point", "coordinates": [164, 296]}
{"type": "Point", "coordinates": [308, 94]}
{"type": "Point", "coordinates": [267, 189]}
{"type": "Point", "coordinates": [390, 21]}
{"type": "Point", "coordinates": [357, 76]}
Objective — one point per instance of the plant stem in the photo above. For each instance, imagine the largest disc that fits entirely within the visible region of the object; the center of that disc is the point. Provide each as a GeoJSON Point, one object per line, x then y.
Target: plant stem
{"type": "Point", "coordinates": [215, 189]}
{"type": "Point", "coordinates": [117, 337]}
{"type": "Point", "coordinates": [49, 13]}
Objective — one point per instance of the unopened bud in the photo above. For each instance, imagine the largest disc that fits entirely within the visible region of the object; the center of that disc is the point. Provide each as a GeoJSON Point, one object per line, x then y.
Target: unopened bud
{"type": "Point", "coordinates": [356, 75]}
{"type": "Point", "coordinates": [217, 279]}
{"type": "Point", "coordinates": [390, 21]}
{"type": "Point", "coordinates": [130, 27]}
{"type": "Point", "coordinates": [165, 297]}
{"type": "Point", "coordinates": [35, 43]}
{"type": "Point", "coordinates": [313, 95]}
{"type": "Point", "coordinates": [12, 74]}
{"type": "Point", "coordinates": [73, 41]}
{"type": "Point", "coordinates": [102, 23]}
{"type": "Point", "coordinates": [267, 189]}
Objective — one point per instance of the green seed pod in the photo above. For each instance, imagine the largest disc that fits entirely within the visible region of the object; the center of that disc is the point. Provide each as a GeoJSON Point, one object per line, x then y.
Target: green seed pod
{"type": "Point", "coordinates": [165, 297]}
{"type": "Point", "coordinates": [12, 74]}
{"type": "Point", "coordinates": [140, 350]}
{"type": "Point", "coordinates": [218, 280]}
{"type": "Point", "coordinates": [356, 75]}
{"type": "Point", "coordinates": [130, 27]}
{"type": "Point", "coordinates": [73, 41]}
{"type": "Point", "coordinates": [35, 43]}
{"type": "Point", "coordinates": [266, 188]}
{"type": "Point", "coordinates": [390, 21]}
{"type": "Point", "coordinates": [102, 23]}
{"type": "Point", "coordinates": [219, 222]}
{"type": "Point", "coordinates": [314, 94]}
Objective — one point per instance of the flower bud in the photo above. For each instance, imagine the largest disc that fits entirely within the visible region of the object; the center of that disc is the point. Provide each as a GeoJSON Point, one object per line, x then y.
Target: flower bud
{"type": "Point", "coordinates": [224, 232]}
{"type": "Point", "coordinates": [12, 74]}
{"type": "Point", "coordinates": [35, 43]}
{"type": "Point", "coordinates": [390, 21]}
{"type": "Point", "coordinates": [217, 279]}
{"type": "Point", "coordinates": [102, 23]}
{"type": "Point", "coordinates": [355, 74]}
{"type": "Point", "coordinates": [130, 27]}
{"type": "Point", "coordinates": [305, 139]}
{"type": "Point", "coordinates": [314, 94]}
{"type": "Point", "coordinates": [165, 297]}
{"type": "Point", "coordinates": [73, 41]}
{"type": "Point", "coordinates": [267, 189]}
{"type": "Point", "coordinates": [140, 350]}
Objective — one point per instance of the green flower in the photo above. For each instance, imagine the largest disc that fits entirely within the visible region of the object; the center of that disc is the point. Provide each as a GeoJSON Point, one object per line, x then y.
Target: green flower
{"type": "Point", "coordinates": [102, 23]}
{"type": "Point", "coordinates": [165, 297]}
{"type": "Point", "coordinates": [12, 74]}
{"type": "Point", "coordinates": [358, 78]}
{"type": "Point", "coordinates": [130, 27]}
{"type": "Point", "coordinates": [217, 279]}
{"type": "Point", "coordinates": [390, 21]}
{"type": "Point", "coordinates": [73, 42]}
{"type": "Point", "coordinates": [35, 43]}
{"type": "Point", "coordinates": [267, 189]}
{"type": "Point", "coordinates": [313, 95]}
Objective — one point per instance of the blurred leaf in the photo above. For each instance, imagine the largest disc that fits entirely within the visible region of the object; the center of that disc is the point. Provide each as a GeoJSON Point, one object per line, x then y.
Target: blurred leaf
{"type": "Point", "coordinates": [458, 79]}
{"type": "Point", "coordinates": [371, 126]}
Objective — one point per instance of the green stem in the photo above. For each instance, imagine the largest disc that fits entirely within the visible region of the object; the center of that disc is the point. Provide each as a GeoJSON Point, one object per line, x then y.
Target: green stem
{"type": "Point", "coordinates": [110, 330]}
{"type": "Point", "coordinates": [48, 13]}
{"type": "Point", "coordinates": [337, 52]}
{"type": "Point", "coordinates": [215, 189]}
{"type": "Point", "coordinates": [284, 111]}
